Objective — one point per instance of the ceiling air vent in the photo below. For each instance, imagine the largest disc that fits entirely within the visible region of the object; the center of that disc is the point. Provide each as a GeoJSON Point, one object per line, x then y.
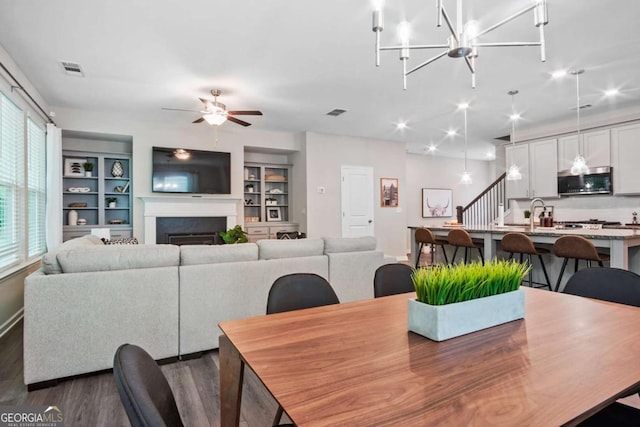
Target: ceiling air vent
{"type": "Point", "coordinates": [72, 68]}
{"type": "Point", "coordinates": [336, 112]}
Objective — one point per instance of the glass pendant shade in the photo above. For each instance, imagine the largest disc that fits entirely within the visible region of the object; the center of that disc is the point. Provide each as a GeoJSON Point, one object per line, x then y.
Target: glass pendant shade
{"type": "Point", "coordinates": [466, 178]}
{"type": "Point", "coordinates": [514, 174]}
{"type": "Point", "coordinates": [215, 119]}
{"type": "Point", "coordinates": [579, 166]}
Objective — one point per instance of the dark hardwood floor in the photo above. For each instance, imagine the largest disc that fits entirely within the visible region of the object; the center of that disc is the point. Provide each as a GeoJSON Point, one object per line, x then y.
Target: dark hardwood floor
{"type": "Point", "coordinates": [94, 401]}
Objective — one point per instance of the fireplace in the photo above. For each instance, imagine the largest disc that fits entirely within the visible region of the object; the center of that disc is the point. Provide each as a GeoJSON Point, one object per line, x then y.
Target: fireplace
{"type": "Point", "coordinates": [191, 216]}
{"type": "Point", "coordinates": [190, 230]}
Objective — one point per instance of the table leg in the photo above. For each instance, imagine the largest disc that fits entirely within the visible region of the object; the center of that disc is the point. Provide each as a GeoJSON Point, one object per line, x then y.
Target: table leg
{"type": "Point", "coordinates": [231, 374]}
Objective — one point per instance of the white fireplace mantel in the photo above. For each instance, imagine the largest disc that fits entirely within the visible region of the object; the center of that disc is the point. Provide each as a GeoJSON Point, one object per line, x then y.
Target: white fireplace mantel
{"type": "Point", "coordinates": [186, 206]}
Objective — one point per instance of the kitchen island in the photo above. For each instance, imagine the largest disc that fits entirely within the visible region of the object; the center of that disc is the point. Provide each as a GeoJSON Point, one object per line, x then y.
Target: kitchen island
{"type": "Point", "coordinates": [623, 245]}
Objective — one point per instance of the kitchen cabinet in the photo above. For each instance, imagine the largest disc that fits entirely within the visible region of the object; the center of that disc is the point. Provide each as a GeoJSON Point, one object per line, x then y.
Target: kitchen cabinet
{"type": "Point", "coordinates": [595, 146]}
{"type": "Point", "coordinates": [625, 152]}
{"type": "Point", "coordinates": [539, 169]}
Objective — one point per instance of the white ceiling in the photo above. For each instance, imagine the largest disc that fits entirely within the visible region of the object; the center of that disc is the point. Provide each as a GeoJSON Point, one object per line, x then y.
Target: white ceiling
{"type": "Point", "coordinates": [297, 60]}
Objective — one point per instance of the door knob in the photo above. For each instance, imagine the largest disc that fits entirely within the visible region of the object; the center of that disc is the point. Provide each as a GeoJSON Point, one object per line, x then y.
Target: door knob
{"type": "Point", "coordinates": [370, 221]}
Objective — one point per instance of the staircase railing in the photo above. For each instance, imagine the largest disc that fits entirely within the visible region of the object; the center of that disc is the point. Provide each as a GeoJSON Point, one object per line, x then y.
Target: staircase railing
{"type": "Point", "coordinates": [484, 208]}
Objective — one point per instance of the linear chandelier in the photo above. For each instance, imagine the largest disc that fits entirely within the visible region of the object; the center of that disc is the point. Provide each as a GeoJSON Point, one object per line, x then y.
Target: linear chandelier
{"type": "Point", "coordinates": [463, 42]}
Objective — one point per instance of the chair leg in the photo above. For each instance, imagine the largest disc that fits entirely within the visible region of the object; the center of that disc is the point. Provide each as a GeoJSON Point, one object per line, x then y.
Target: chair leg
{"type": "Point", "coordinates": [445, 254]}
{"type": "Point", "coordinates": [432, 248]}
{"type": "Point", "coordinates": [602, 265]}
{"type": "Point", "coordinates": [278, 417]}
{"type": "Point", "coordinates": [564, 265]}
{"type": "Point", "coordinates": [576, 266]}
{"type": "Point", "coordinates": [510, 255]}
{"type": "Point", "coordinates": [453, 259]}
{"type": "Point", "coordinates": [530, 271]}
{"type": "Point", "coordinates": [544, 270]}
{"type": "Point", "coordinates": [521, 257]}
{"type": "Point", "coordinates": [418, 255]}
{"type": "Point", "coordinates": [481, 256]}
{"type": "Point", "coordinates": [466, 254]}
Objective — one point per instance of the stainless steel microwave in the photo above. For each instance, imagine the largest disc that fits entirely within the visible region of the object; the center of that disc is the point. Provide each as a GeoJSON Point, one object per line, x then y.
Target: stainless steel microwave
{"type": "Point", "coordinates": [594, 181]}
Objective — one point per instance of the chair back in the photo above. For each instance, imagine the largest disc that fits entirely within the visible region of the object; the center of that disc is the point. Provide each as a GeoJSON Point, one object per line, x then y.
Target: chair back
{"type": "Point", "coordinates": [459, 237]}
{"type": "Point", "coordinates": [299, 290]}
{"type": "Point", "coordinates": [392, 279]}
{"type": "Point", "coordinates": [144, 391]}
{"type": "Point", "coordinates": [517, 243]}
{"type": "Point", "coordinates": [425, 236]}
{"type": "Point", "coordinates": [575, 247]}
{"type": "Point", "coordinates": [607, 284]}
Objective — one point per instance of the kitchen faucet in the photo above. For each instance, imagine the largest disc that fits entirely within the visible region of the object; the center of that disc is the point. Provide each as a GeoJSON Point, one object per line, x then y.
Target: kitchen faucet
{"type": "Point", "coordinates": [533, 212]}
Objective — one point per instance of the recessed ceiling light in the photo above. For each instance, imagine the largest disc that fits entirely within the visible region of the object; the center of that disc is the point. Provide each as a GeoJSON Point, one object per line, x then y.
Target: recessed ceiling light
{"type": "Point", "coordinates": [431, 148]}
{"type": "Point", "coordinates": [452, 132]}
{"type": "Point", "coordinates": [611, 92]}
{"type": "Point", "coordinates": [515, 116]}
{"type": "Point", "coordinates": [401, 125]}
{"type": "Point", "coordinates": [559, 74]}
{"type": "Point", "coordinates": [463, 105]}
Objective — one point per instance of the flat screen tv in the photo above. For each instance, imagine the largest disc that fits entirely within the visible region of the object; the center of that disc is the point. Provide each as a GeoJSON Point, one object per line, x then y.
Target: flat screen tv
{"type": "Point", "coordinates": [178, 170]}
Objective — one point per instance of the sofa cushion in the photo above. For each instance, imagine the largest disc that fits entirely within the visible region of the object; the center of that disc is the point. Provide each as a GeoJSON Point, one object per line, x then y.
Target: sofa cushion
{"type": "Point", "coordinates": [275, 249]}
{"type": "Point", "coordinates": [50, 263]}
{"type": "Point", "coordinates": [120, 257]}
{"type": "Point", "coordinates": [215, 254]}
{"type": "Point", "coordinates": [349, 244]}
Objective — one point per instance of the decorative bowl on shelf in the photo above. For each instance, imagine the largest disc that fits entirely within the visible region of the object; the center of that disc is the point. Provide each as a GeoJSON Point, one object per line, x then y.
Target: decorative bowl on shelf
{"type": "Point", "coordinates": [117, 221]}
{"type": "Point", "coordinates": [78, 204]}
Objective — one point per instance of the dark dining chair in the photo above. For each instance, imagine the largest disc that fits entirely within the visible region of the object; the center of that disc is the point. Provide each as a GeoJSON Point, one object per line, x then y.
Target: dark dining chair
{"type": "Point", "coordinates": [144, 390]}
{"type": "Point", "coordinates": [392, 279]}
{"type": "Point", "coordinates": [613, 285]}
{"type": "Point", "coordinates": [296, 292]}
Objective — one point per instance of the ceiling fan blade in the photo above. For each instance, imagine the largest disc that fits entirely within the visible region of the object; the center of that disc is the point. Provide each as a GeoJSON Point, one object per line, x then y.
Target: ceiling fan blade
{"type": "Point", "coordinates": [179, 109]}
{"type": "Point", "coordinates": [204, 101]}
{"type": "Point", "coordinates": [238, 121]}
{"type": "Point", "coordinates": [200, 120]}
{"type": "Point", "coordinates": [245, 113]}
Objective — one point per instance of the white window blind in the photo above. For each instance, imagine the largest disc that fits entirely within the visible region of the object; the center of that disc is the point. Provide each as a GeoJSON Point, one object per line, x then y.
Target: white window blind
{"type": "Point", "coordinates": [12, 210]}
{"type": "Point", "coordinates": [36, 188]}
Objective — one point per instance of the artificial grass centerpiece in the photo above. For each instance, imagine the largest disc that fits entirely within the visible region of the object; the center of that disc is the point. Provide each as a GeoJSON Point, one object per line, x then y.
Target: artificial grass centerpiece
{"type": "Point", "coordinates": [449, 284]}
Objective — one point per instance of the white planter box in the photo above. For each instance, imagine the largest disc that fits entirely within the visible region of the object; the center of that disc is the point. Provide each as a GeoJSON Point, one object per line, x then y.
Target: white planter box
{"type": "Point", "coordinates": [441, 322]}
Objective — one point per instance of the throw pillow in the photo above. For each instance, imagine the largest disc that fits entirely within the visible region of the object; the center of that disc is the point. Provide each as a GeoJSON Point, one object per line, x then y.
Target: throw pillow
{"type": "Point", "coordinates": [121, 241]}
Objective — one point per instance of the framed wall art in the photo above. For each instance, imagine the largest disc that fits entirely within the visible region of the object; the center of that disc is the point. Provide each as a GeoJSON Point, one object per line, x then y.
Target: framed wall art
{"type": "Point", "coordinates": [437, 202]}
{"type": "Point", "coordinates": [389, 192]}
{"type": "Point", "coordinates": [274, 214]}
{"type": "Point", "coordinates": [73, 167]}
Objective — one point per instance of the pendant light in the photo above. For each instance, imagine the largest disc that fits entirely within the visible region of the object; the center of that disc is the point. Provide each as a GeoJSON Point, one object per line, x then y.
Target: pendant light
{"type": "Point", "coordinates": [579, 166]}
{"type": "Point", "coordinates": [513, 173]}
{"type": "Point", "coordinates": [466, 177]}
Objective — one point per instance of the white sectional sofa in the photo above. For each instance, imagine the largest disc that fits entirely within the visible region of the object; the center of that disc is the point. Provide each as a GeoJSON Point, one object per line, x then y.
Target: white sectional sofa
{"type": "Point", "coordinates": [88, 298]}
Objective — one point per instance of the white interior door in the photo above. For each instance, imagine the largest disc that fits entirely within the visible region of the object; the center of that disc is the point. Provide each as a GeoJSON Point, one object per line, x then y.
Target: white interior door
{"type": "Point", "coordinates": [357, 201]}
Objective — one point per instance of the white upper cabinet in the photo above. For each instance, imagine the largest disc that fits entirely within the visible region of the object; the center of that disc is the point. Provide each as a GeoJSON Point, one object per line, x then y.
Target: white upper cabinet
{"type": "Point", "coordinates": [539, 168]}
{"type": "Point", "coordinates": [543, 181]}
{"type": "Point", "coordinates": [595, 146]}
{"type": "Point", "coordinates": [625, 152]}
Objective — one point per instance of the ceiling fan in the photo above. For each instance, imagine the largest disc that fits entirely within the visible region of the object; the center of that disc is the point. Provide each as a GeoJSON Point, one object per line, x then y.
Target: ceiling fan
{"type": "Point", "coordinates": [215, 113]}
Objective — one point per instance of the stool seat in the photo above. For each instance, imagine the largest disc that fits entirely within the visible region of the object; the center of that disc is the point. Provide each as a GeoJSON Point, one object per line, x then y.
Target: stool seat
{"type": "Point", "coordinates": [424, 236]}
{"type": "Point", "coordinates": [462, 239]}
{"type": "Point", "coordinates": [519, 243]}
{"type": "Point", "coordinates": [576, 248]}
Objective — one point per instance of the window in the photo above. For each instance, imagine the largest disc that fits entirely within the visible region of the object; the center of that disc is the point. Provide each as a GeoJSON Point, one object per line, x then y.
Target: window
{"type": "Point", "coordinates": [22, 186]}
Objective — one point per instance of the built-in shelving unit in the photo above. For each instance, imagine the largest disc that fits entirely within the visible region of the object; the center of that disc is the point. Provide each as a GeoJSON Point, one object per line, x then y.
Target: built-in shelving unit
{"type": "Point", "coordinates": [89, 196]}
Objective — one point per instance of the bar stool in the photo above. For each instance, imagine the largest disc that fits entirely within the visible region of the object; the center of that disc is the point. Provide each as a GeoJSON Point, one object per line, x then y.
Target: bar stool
{"type": "Point", "coordinates": [577, 248]}
{"type": "Point", "coordinates": [518, 243]}
{"type": "Point", "coordinates": [460, 238]}
{"type": "Point", "coordinates": [424, 236]}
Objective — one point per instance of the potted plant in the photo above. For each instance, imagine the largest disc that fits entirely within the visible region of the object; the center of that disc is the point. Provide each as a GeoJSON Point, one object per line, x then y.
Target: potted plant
{"type": "Point", "coordinates": [234, 235]}
{"type": "Point", "coordinates": [111, 202]}
{"type": "Point", "coordinates": [248, 188]}
{"type": "Point", "coordinates": [454, 300]}
{"type": "Point", "coordinates": [527, 214]}
{"type": "Point", "coordinates": [88, 168]}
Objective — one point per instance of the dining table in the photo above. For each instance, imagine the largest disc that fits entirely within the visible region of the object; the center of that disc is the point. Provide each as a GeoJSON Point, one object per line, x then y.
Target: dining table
{"type": "Point", "coordinates": [356, 364]}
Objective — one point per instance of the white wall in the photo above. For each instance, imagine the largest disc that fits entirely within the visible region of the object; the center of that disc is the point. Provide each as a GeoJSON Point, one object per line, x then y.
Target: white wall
{"type": "Point", "coordinates": [425, 171]}
{"type": "Point", "coordinates": [147, 134]}
{"type": "Point", "coordinates": [325, 156]}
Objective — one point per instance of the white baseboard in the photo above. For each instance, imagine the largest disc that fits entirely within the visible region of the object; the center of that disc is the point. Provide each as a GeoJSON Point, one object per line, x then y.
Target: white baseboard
{"type": "Point", "coordinates": [402, 258]}
{"type": "Point", "coordinates": [6, 326]}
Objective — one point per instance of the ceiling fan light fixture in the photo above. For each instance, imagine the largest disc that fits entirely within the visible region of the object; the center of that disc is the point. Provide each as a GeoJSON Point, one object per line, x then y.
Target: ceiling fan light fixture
{"type": "Point", "coordinates": [215, 119]}
{"type": "Point", "coordinates": [181, 154]}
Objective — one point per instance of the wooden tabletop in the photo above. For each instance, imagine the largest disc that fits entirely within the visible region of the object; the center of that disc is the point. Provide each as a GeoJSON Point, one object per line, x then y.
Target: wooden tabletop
{"type": "Point", "coordinates": [356, 364]}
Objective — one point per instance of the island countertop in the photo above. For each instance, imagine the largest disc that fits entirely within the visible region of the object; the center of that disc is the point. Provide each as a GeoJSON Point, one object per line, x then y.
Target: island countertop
{"type": "Point", "coordinates": [623, 244]}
